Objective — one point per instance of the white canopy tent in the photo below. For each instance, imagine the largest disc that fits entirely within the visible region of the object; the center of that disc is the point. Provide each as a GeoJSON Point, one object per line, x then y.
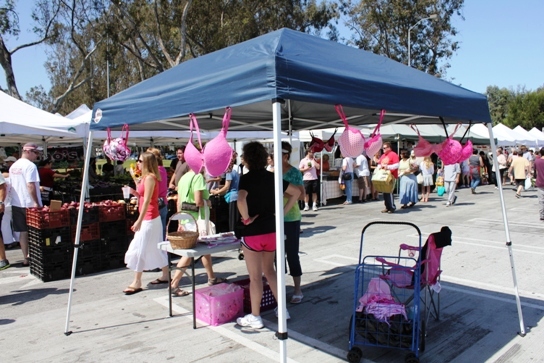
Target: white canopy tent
{"type": "Point", "coordinates": [509, 137]}
{"type": "Point", "coordinates": [538, 134]}
{"type": "Point", "coordinates": [534, 142]}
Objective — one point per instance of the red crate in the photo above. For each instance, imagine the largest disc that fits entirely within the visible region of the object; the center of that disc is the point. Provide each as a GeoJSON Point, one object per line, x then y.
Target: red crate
{"type": "Point", "coordinates": [111, 213]}
{"type": "Point", "coordinates": [268, 301]}
{"type": "Point", "coordinates": [88, 232]}
{"type": "Point", "coordinates": [46, 220]}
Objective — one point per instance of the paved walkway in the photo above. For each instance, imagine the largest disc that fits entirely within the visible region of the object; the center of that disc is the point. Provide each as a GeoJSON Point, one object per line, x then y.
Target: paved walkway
{"type": "Point", "coordinates": [479, 321]}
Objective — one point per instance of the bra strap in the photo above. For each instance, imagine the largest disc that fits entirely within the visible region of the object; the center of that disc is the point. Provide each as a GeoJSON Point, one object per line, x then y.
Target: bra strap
{"type": "Point", "coordinates": [126, 129]}
{"type": "Point", "coordinates": [414, 127]}
{"type": "Point", "coordinates": [197, 129]}
{"type": "Point", "coordinates": [377, 129]}
{"type": "Point", "coordinates": [226, 120]}
{"type": "Point", "coordinates": [340, 112]}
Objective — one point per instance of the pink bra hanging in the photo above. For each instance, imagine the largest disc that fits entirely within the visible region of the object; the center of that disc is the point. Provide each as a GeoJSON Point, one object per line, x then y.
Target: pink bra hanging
{"type": "Point", "coordinates": [194, 157]}
{"type": "Point", "coordinates": [374, 144]}
{"type": "Point", "coordinates": [352, 141]}
{"type": "Point", "coordinates": [451, 149]}
{"type": "Point", "coordinates": [217, 154]}
{"type": "Point", "coordinates": [423, 148]}
{"type": "Point", "coordinates": [466, 151]}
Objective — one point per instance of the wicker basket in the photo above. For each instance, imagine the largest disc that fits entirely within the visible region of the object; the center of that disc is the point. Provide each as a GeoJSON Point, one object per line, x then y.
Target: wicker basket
{"type": "Point", "coordinates": [182, 240]}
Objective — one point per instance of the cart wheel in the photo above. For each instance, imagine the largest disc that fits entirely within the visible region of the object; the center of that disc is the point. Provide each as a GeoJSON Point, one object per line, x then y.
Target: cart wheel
{"type": "Point", "coordinates": [355, 355]}
{"type": "Point", "coordinates": [241, 256]}
{"type": "Point", "coordinates": [422, 335]}
{"type": "Point", "coordinates": [411, 358]}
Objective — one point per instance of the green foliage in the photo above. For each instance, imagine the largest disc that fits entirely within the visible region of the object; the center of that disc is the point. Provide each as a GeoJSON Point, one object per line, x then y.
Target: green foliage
{"type": "Point", "coordinates": [382, 26]}
{"type": "Point", "coordinates": [513, 108]}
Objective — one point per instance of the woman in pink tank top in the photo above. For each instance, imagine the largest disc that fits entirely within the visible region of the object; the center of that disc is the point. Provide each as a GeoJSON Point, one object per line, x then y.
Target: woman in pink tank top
{"type": "Point", "coordinates": [143, 253]}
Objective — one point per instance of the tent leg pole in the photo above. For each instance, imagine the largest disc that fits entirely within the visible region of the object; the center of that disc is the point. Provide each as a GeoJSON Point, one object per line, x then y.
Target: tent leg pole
{"type": "Point", "coordinates": [506, 229]}
{"type": "Point", "coordinates": [281, 334]}
{"type": "Point", "coordinates": [84, 184]}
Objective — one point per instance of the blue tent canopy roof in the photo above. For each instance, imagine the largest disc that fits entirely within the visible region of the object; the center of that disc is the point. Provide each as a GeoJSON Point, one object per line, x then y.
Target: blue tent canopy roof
{"type": "Point", "coordinates": [311, 74]}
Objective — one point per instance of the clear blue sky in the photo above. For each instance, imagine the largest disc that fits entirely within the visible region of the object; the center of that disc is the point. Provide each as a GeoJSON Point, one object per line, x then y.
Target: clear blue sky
{"type": "Point", "coordinates": [502, 44]}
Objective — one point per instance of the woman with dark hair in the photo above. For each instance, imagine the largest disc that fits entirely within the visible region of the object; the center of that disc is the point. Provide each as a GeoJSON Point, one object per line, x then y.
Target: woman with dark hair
{"type": "Point", "coordinates": [292, 220]}
{"type": "Point", "coordinates": [256, 203]}
{"type": "Point", "coordinates": [143, 253]}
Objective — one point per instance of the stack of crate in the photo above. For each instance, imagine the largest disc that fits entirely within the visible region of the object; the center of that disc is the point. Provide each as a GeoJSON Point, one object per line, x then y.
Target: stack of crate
{"type": "Point", "coordinates": [50, 245]}
{"type": "Point", "coordinates": [114, 236]}
{"type": "Point", "coordinates": [104, 239]}
{"type": "Point", "coordinates": [89, 256]}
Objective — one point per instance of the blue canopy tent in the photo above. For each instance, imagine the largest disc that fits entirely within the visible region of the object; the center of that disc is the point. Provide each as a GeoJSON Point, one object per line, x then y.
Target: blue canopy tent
{"type": "Point", "coordinates": [287, 80]}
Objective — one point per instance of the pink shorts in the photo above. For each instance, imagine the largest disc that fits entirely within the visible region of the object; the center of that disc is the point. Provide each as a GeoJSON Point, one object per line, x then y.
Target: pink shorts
{"type": "Point", "coordinates": [261, 243]}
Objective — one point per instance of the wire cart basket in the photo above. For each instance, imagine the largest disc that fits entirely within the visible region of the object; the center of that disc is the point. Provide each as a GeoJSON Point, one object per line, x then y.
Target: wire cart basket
{"type": "Point", "coordinates": [387, 309]}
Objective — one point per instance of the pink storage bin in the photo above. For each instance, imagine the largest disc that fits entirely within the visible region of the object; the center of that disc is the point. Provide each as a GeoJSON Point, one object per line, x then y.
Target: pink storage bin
{"type": "Point", "coordinates": [219, 304]}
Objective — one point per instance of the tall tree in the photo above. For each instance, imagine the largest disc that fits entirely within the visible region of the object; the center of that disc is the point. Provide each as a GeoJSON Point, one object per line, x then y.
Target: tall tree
{"type": "Point", "coordinates": [382, 27]}
{"type": "Point", "coordinates": [499, 100]}
{"type": "Point", "coordinates": [44, 18]}
{"type": "Point", "coordinates": [136, 39]}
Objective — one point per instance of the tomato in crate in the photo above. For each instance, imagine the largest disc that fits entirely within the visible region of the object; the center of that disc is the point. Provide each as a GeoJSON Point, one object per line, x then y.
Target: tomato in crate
{"type": "Point", "coordinates": [43, 218]}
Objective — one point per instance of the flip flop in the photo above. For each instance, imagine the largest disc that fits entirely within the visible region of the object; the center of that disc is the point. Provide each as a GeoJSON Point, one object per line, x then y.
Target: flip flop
{"type": "Point", "coordinates": [158, 282]}
{"type": "Point", "coordinates": [297, 299]}
{"type": "Point", "coordinates": [177, 292]}
{"type": "Point", "coordinates": [132, 290]}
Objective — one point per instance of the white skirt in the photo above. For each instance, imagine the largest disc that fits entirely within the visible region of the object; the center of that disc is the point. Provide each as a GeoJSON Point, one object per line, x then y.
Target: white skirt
{"type": "Point", "coordinates": [142, 253]}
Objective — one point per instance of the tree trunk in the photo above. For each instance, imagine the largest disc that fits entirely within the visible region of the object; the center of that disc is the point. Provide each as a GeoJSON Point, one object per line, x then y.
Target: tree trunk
{"type": "Point", "coordinates": [6, 63]}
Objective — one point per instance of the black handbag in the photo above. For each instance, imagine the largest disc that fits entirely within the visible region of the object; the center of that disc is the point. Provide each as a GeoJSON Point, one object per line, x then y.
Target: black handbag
{"type": "Point", "coordinates": [189, 207]}
{"type": "Point", "coordinates": [347, 176]}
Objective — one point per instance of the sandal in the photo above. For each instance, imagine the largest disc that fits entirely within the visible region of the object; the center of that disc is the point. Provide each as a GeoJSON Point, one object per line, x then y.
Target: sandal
{"type": "Point", "coordinates": [216, 280]}
{"type": "Point", "coordinates": [297, 299]}
{"type": "Point", "coordinates": [177, 292]}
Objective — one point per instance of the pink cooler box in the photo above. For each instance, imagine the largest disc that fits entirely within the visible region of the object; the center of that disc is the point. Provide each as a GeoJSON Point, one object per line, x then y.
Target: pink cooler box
{"type": "Point", "coordinates": [219, 304]}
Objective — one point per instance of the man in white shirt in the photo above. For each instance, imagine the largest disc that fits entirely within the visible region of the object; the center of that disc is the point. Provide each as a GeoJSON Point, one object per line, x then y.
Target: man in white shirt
{"type": "Point", "coordinates": [25, 189]}
{"type": "Point", "coordinates": [363, 177]}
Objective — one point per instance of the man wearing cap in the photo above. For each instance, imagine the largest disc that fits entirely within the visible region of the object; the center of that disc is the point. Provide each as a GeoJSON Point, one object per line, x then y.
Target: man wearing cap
{"type": "Point", "coordinates": [25, 189]}
{"type": "Point", "coordinates": [8, 162]}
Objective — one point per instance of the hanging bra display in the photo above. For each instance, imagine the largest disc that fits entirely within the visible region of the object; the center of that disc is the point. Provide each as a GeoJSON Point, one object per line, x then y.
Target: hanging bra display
{"type": "Point", "coordinates": [423, 148]}
{"type": "Point", "coordinates": [375, 142]}
{"type": "Point", "coordinates": [451, 149]}
{"type": "Point", "coordinates": [217, 154]}
{"type": "Point", "coordinates": [317, 145]}
{"type": "Point", "coordinates": [352, 141]}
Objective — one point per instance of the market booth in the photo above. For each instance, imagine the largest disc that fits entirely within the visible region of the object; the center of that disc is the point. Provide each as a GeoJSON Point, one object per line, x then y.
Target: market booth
{"type": "Point", "coordinates": [285, 80]}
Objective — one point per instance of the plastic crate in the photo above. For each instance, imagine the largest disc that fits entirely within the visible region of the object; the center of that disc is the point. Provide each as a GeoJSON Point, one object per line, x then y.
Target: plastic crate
{"type": "Point", "coordinates": [115, 244]}
{"type": "Point", "coordinates": [219, 304]}
{"type": "Point", "coordinates": [113, 229]}
{"type": "Point", "coordinates": [46, 220]}
{"type": "Point", "coordinates": [90, 249]}
{"type": "Point", "coordinates": [88, 265]}
{"type": "Point", "coordinates": [53, 273]}
{"type": "Point", "coordinates": [47, 238]}
{"type": "Point", "coordinates": [113, 261]}
{"type": "Point", "coordinates": [88, 232]}
{"type": "Point", "coordinates": [111, 213]}
{"type": "Point", "coordinates": [90, 215]}
{"type": "Point", "coordinates": [54, 256]}
{"type": "Point", "coordinates": [268, 301]}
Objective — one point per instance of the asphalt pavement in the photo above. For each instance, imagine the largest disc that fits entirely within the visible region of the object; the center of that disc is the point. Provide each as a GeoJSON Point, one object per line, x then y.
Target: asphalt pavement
{"type": "Point", "coordinates": [479, 319]}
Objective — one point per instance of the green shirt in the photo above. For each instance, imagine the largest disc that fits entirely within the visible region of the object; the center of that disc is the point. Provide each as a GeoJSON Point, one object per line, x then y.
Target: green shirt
{"type": "Point", "coordinates": [187, 185]}
{"type": "Point", "coordinates": [293, 176]}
